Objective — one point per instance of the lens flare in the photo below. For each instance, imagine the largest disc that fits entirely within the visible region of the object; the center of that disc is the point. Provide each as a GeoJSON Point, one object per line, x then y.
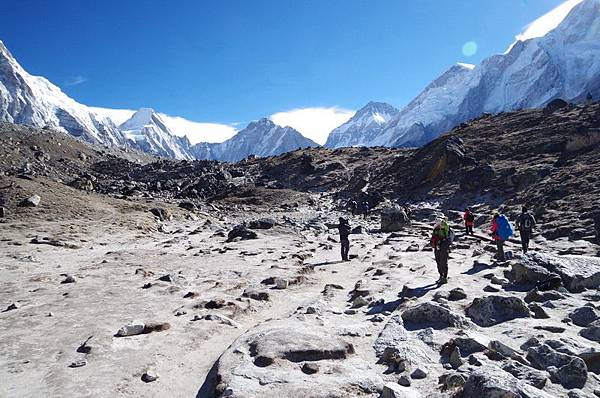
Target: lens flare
{"type": "Point", "coordinates": [469, 49]}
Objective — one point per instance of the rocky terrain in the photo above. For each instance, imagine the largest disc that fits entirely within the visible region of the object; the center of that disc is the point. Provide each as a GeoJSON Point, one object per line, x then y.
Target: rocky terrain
{"type": "Point", "coordinates": [128, 275]}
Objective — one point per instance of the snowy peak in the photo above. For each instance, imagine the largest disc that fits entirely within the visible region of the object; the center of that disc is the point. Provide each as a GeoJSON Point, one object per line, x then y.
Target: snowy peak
{"type": "Point", "coordinates": [562, 63]}
{"type": "Point", "coordinates": [363, 126]}
{"type": "Point", "coordinates": [141, 118]}
{"type": "Point", "coordinates": [261, 138]}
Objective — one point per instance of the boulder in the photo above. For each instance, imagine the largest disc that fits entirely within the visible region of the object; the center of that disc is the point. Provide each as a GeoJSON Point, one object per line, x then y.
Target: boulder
{"type": "Point", "coordinates": [591, 357]}
{"type": "Point", "coordinates": [492, 310]}
{"type": "Point", "coordinates": [433, 315]}
{"type": "Point", "coordinates": [535, 295]}
{"type": "Point", "coordinates": [161, 213]}
{"type": "Point", "coordinates": [571, 375]}
{"type": "Point", "coordinates": [241, 232]}
{"type": "Point", "coordinates": [538, 311]}
{"type": "Point", "coordinates": [577, 272]}
{"type": "Point", "coordinates": [393, 219]}
{"type": "Point", "coordinates": [392, 390]}
{"type": "Point", "coordinates": [592, 332]}
{"type": "Point", "coordinates": [528, 374]}
{"type": "Point", "coordinates": [255, 294]}
{"type": "Point", "coordinates": [262, 223]}
{"type": "Point", "coordinates": [131, 329]}
{"type": "Point", "coordinates": [491, 381]}
{"type": "Point", "coordinates": [268, 361]}
{"type": "Point", "coordinates": [583, 316]}
{"type": "Point", "coordinates": [457, 294]}
{"type": "Point", "coordinates": [396, 347]}
{"type": "Point", "coordinates": [32, 201]}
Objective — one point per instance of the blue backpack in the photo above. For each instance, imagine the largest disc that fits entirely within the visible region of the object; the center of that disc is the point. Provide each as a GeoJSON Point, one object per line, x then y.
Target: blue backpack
{"type": "Point", "coordinates": [505, 230]}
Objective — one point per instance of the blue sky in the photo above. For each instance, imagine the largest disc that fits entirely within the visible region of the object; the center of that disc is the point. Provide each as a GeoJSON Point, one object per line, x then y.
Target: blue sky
{"type": "Point", "coordinates": [229, 61]}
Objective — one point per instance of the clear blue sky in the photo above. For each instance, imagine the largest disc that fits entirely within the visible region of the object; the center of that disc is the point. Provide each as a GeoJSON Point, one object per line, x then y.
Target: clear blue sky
{"type": "Point", "coordinates": [227, 61]}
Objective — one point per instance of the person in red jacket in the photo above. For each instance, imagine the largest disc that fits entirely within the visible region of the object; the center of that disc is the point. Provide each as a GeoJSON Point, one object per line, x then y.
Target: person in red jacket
{"type": "Point", "coordinates": [469, 218]}
{"type": "Point", "coordinates": [499, 241]}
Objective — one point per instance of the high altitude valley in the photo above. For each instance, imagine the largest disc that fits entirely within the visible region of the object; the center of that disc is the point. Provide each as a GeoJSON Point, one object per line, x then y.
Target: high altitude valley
{"type": "Point", "coordinates": [135, 263]}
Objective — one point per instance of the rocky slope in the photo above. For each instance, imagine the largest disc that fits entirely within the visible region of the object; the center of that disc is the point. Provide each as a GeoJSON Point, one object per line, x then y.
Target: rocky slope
{"type": "Point", "coordinates": [565, 63]}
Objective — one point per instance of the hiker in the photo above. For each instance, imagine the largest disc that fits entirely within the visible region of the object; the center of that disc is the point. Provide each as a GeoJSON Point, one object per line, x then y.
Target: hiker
{"type": "Point", "coordinates": [525, 224]}
{"type": "Point", "coordinates": [469, 218]}
{"type": "Point", "coordinates": [344, 229]}
{"type": "Point", "coordinates": [501, 231]}
{"type": "Point", "coordinates": [440, 241]}
{"type": "Point", "coordinates": [353, 206]}
{"type": "Point", "coordinates": [589, 98]}
{"type": "Point", "coordinates": [365, 207]}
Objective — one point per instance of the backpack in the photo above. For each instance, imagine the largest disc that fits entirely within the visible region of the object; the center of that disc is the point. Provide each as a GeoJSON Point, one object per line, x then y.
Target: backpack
{"type": "Point", "coordinates": [527, 222]}
{"type": "Point", "coordinates": [470, 217]}
{"type": "Point", "coordinates": [505, 230]}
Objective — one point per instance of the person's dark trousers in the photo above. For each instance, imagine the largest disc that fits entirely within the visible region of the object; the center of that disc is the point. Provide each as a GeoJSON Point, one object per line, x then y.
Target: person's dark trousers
{"type": "Point", "coordinates": [500, 252]}
{"type": "Point", "coordinates": [441, 259]}
{"type": "Point", "coordinates": [469, 229]}
{"type": "Point", "coordinates": [525, 241]}
{"type": "Point", "coordinates": [345, 248]}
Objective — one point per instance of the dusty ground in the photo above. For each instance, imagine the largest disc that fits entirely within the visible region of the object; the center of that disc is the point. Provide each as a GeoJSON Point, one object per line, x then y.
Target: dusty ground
{"type": "Point", "coordinates": [115, 253]}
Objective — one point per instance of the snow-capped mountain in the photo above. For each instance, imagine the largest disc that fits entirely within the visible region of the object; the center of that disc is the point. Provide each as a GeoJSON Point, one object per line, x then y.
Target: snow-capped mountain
{"type": "Point", "coordinates": [564, 63]}
{"type": "Point", "coordinates": [33, 100]}
{"type": "Point", "coordinates": [150, 133]}
{"type": "Point", "coordinates": [260, 138]}
{"type": "Point", "coordinates": [363, 127]}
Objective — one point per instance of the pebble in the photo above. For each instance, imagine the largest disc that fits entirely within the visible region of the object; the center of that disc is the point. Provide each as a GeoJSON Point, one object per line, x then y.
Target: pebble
{"type": "Point", "coordinates": [418, 374]}
{"type": "Point", "coordinates": [69, 279]}
{"type": "Point", "coordinates": [404, 381]}
{"type": "Point", "coordinates": [131, 329]}
{"type": "Point", "coordinates": [149, 376]}
{"type": "Point", "coordinates": [310, 368]}
{"type": "Point", "coordinates": [78, 364]}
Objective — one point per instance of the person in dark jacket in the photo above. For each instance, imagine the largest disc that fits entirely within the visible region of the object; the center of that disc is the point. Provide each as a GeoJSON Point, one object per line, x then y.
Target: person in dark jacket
{"type": "Point", "coordinates": [365, 207]}
{"type": "Point", "coordinates": [525, 224]}
{"type": "Point", "coordinates": [344, 230]}
{"type": "Point", "coordinates": [353, 207]}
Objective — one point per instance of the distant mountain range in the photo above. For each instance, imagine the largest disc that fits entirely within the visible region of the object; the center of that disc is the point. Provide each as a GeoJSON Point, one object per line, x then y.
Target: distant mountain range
{"type": "Point", "coordinates": [564, 63]}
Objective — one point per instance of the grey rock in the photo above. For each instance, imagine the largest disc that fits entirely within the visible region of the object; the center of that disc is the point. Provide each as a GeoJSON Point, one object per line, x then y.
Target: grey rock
{"type": "Point", "coordinates": [504, 349]}
{"type": "Point", "coordinates": [535, 295]}
{"type": "Point", "coordinates": [491, 381]}
{"type": "Point", "coordinates": [68, 279]}
{"type": "Point", "coordinates": [310, 368]}
{"type": "Point", "coordinates": [396, 347]}
{"type": "Point", "coordinates": [131, 329]}
{"type": "Point", "coordinates": [418, 373]}
{"type": "Point", "coordinates": [262, 223]}
{"type": "Point", "coordinates": [161, 213]}
{"type": "Point", "coordinates": [457, 294]}
{"type": "Point", "coordinates": [393, 219]}
{"type": "Point", "coordinates": [572, 375]}
{"type": "Point", "coordinates": [78, 364]}
{"type": "Point", "coordinates": [32, 201]}
{"type": "Point", "coordinates": [255, 294]}
{"type": "Point", "coordinates": [528, 374]}
{"type": "Point", "coordinates": [592, 332]}
{"type": "Point", "coordinates": [392, 390]}
{"type": "Point", "coordinates": [538, 311]}
{"type": "Point", "coordinates": [583, 316]}
{"type": "Point", "coordinates": [455, 380]}
{"type": "Point", "coordinates": [241, 232]}
{"type": "Point", "coordinates": [404, 381]}
{"type": "Point", "coordinates": [149, 376]}
{"type": "Point", "coordinates": [455, 358]}
{"type": "Point", "coordinates": [577, 272]}
{"type": "Point", "coordinates": [281, 283]}
{"type": "Point", "coordinates": [433, 315]}
{"type": "Point", "coordinates": [492, 310]}
{"type": "Point", "coordinates": [591, 357]}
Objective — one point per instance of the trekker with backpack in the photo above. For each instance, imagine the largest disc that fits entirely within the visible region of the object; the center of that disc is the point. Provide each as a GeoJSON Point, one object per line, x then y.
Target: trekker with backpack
{"type": "Point", "coordinates": [501, 231]}
{"type": "Point", "coordinates": [469, 218]}
{"type": "Point", "coordinates": [441, 239]}
{"type": "Point", "coordinates": [525, 224]}
{"type": "Point", "coordinates": [344, 230]}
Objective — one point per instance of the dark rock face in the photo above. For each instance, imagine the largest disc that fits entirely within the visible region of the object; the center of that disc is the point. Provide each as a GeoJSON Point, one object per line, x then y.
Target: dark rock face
{"type": "Point", "coordinates": [491, 310]}
{"type": "Point", "coordinates": [263, 223]}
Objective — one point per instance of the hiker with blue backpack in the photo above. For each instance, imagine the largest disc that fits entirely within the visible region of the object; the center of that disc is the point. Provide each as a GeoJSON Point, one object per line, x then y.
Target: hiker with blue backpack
{"type": "Point", "coordinates": [501, 232]}
{"type": "Point", "coordinates": [525, 224]}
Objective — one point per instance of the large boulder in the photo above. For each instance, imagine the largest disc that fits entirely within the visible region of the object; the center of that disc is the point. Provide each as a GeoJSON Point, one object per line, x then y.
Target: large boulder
{"type": "Point", "coordinates": [242, 233]}
{"type": "Point", "coordinates": [536, 378]}
{"type": "Point", "coordinates": [268, 360]}
{"type": "Point", "coordinates": [394, 390]}
{"type": "Point", "coordinates": [393, 219]}
{"type": "Point", "coordinates": [577, 272]}
{"type": "Point", "coordinates": [491, 381]}
{"type": "Point", "coordinates": [565, 369]}
{"type": "Point", "coordinates": [492, 310]}
{"type": "Point", "coordinates": [433, 315]}
{"type": "Point", "coordinates": [583, 316]}
{"type": "Point", "coordinates": [262, 223]}
{"type": "Point", "coordinates": [592, 332]}
{"type": "Point", "coordinates": [396, 347]}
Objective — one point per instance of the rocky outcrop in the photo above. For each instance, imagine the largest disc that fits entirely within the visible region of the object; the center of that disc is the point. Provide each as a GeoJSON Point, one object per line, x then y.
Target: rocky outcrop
{"type": "Point", "coordinates": [433, 315]}
{"type": "Point", "coordinates": [397, 348]}
{"type": "Point", "coordinates": [492, 310]}
{"type": "Point", "coordinates": [393, 219]}
{"type": "Point", "coordinates": [490, 381]}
